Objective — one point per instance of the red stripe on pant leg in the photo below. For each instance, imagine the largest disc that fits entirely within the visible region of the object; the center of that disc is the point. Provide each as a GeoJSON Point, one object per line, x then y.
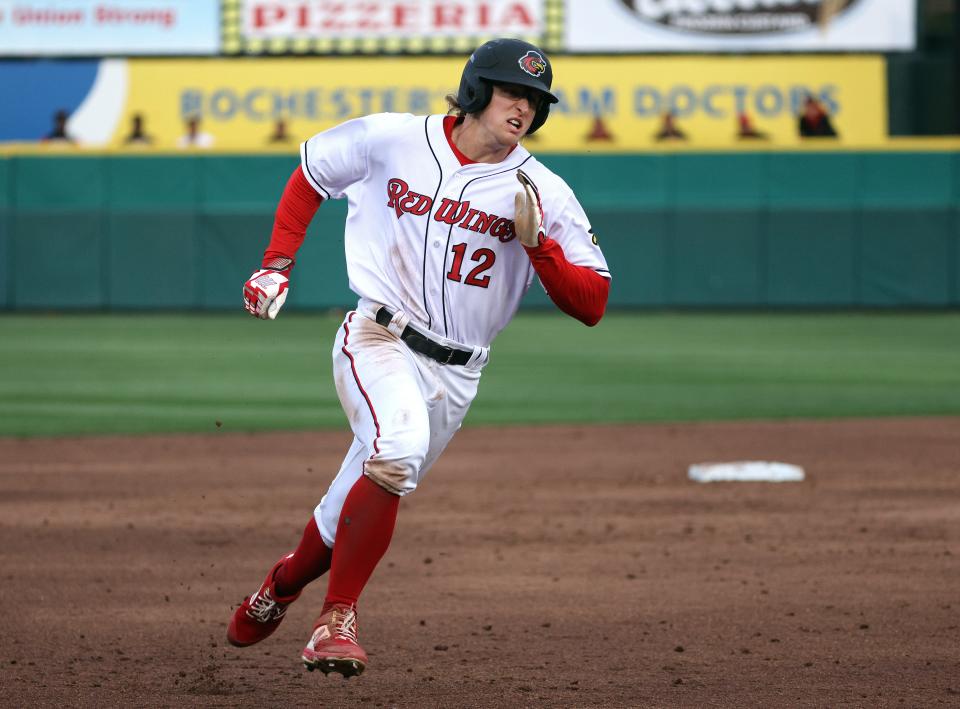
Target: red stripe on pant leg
{"type": "Point", "coordinates": [356, 377]}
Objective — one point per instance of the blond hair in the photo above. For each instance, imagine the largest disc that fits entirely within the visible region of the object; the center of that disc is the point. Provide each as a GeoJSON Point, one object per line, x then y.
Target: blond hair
{"type": "Point", "coordinates": [453, 107]}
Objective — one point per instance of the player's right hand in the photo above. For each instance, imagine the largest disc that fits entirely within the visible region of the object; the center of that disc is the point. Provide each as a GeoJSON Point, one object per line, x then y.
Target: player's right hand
{"type": "Point", "coordinates": [264, 293]}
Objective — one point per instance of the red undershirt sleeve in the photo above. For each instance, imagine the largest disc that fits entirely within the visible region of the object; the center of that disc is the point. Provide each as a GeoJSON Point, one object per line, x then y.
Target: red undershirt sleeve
{"type": "Point", "coordinates": [578, 291]}
{"type": "Point", "coordinates": [296, 209]}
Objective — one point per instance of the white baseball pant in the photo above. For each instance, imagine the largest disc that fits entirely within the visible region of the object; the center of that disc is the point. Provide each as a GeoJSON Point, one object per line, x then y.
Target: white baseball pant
{"type": "Point", "coordinates": [403, 407]}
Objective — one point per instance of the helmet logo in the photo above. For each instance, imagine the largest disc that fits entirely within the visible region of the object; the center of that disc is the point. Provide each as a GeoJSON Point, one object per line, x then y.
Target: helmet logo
{"type": "Point", "coordinates": [533, 63]}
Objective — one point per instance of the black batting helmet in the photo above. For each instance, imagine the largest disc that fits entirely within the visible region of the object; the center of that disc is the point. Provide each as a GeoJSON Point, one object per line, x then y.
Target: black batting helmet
{"type": "Point", "coordinates": [506, 61]}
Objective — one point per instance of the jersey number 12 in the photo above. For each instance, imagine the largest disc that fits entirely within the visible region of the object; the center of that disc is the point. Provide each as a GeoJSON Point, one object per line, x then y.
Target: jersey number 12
{"type": "Point", "coordinates": [484, 259]}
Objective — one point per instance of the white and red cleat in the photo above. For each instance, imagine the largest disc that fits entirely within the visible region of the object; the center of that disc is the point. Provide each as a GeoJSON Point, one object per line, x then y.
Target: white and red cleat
{"type": "Point", "coordinates": [333, 647]}
{"type": "Point", "coordinates": [260, 614]}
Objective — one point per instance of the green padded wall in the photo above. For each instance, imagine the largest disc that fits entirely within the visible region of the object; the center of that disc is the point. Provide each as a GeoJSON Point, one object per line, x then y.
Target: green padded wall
{"type": "Point", "coordinates": [905, 255]}
{"type": "Point", "coordinates": [810, 257]}
{"type": "Point", "coordinates": [818, 180]}
{"type": "Point", "coordinates": [713, 258]}
{"type": "Point", "coordinates": [784, 230]}
{"type": "Point", "coordinates": [60, 259]}
{"type": "Point", "coordinates": [58, 238]}
{"type": "Point", "coordinates": [736, 181]}
{"type": "Point", "coordinates": [152, 260]}
{"type": "Point", "coordinates": [907, 179]}
{"type": "Point", "coordinates": [6, 216]}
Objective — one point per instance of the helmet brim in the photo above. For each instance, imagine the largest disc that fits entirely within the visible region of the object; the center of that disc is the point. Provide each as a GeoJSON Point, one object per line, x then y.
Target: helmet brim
{"type": "Point", "coordinates": [495, 77]}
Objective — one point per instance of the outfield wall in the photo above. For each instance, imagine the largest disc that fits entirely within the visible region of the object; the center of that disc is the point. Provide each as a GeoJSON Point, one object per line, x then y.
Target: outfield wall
{"type": "Point", "coordinates": [762, 229]}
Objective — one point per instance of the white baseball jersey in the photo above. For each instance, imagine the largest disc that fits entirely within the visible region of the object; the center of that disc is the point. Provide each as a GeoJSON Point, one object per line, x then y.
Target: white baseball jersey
{"type": "Point", "coordinates": [433, 238]}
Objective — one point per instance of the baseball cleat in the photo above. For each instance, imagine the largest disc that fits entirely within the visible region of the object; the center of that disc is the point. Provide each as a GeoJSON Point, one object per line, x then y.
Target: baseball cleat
{"type": "Point", "coordinates": [260, 614]}
{"type": "Point", "coordinates": [333, 647]}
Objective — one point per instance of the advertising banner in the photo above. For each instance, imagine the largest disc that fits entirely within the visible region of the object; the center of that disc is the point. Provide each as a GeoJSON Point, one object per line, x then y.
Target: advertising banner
{"type": "Point", "coordinates": [383, 26]}
{"type": "Point", "coordinates": [740, 25]}
{"type": "Point", "coordinates": [120, 27]}
{"type": "Point", "coordinates": [606, 103]}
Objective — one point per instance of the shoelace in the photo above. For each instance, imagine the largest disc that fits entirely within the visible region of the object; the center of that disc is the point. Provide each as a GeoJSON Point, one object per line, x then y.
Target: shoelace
{"type": "Point", "coordinates": [345, 625]}
{"type": "Point", "coordinates": [265, 609]}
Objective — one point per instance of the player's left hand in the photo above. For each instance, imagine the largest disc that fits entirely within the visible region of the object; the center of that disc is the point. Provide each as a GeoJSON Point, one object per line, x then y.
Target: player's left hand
{"type": "Point", "coordinates": [264, 293]}
{"type": "Point", "coordinates": [528, 217]}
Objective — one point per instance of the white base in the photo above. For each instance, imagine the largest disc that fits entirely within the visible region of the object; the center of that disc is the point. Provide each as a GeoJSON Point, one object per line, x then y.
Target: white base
{"type": "Point", "coordinates": [745, 471]}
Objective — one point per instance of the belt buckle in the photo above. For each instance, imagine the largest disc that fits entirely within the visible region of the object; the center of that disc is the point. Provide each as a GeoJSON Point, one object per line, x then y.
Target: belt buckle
{"type": "Point", "coordinates": [449, 356]}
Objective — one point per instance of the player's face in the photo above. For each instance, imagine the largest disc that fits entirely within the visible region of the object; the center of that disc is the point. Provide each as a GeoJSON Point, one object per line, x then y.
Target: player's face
{"type": "Point", "coordinates": [510, 112]}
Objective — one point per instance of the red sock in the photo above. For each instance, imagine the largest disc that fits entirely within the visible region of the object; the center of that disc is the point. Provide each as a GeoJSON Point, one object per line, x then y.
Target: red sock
{"type": "Point", "coordinates": [363, 535]}
{"type": "Point", "coordinates": [310, 561]}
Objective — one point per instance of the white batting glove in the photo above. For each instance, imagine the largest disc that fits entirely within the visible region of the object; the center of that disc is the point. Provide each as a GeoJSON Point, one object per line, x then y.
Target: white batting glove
{"type": "Point", "coordinates": [528, 212]}
{"type": "Point", "coordinates": [264, 293]}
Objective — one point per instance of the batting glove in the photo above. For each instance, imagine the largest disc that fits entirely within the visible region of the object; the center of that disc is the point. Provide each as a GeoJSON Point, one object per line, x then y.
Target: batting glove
{"type": "Point", "coordinates": [266, 290]}
{"type": "Point", "coordinates": [528, 217]}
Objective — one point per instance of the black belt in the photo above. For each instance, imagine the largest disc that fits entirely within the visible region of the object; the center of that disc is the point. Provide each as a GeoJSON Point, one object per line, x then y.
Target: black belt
{"type": "Point", "coordinates": [424, 345]}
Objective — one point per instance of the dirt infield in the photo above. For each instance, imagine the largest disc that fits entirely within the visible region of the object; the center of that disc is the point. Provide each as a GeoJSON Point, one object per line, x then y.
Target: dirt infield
{"type": "Point", "coordinates": [536, 567]}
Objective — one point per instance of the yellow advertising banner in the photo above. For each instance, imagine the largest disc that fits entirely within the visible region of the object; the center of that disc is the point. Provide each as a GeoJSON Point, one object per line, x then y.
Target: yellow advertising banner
{"type": "Point", "coordinates": [607, 104]}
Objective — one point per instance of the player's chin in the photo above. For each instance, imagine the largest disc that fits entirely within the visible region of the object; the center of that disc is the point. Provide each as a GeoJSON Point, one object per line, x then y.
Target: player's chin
{"type": "Point", "coordinates": [513, 134]}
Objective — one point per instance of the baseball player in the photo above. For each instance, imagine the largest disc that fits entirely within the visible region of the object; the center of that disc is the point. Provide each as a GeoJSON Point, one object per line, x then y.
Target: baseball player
{"type": "Point", "coordinates": [449, 220]}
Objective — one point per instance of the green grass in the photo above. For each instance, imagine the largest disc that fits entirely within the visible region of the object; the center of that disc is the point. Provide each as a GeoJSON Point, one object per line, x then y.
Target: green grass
{"type": "Point", "coordinates": [69, 374]}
